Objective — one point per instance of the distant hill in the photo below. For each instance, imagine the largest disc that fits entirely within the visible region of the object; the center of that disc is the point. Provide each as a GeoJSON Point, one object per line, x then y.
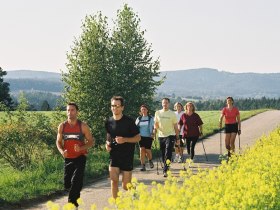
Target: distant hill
{"type": "Point", "coordinates": [205, 83]}
{"type": "Point", "coordinates": [27, 80]}
{"type": "Point", "coordinates": [211, 83]}
{"type": "Point", "coordinates": [24, 74]}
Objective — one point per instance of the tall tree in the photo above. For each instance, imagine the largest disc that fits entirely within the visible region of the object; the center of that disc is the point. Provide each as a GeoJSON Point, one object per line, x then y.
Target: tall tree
{"type": "Point", "coordinates": [134, 69]}
{"type": "Point", "coordinates": [101, 65]}
{"type": "Point", "coordinates": [5, 97]}
{"type": "Point", "coordinates": [88, 77]}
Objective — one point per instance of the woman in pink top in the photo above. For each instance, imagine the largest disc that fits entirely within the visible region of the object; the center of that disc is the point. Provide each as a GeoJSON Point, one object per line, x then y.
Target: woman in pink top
{"type": "Point", "coordinates": [232, 124]}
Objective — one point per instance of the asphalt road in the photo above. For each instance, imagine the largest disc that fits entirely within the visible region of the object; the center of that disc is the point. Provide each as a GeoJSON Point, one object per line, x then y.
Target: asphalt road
{"type": "Point", "coordinates": [252, 130]}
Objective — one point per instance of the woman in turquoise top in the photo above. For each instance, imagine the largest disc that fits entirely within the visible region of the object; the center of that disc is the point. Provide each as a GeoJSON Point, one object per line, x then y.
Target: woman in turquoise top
{"type": "Point", "coordinates": [145, 122]}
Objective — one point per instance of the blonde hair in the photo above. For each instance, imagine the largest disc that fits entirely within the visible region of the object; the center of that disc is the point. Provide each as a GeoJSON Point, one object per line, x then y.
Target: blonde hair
{"type": "Point", "coordinates": [190, 103]}
{"type": "Point", "coordinates": [178, 103]}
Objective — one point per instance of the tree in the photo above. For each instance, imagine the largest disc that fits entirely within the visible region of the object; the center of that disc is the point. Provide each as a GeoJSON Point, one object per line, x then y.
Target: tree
{"type": "Point", "coordinates": [134, 69]}
{"type": "Point", "coordinates": [101, 66]}
{"type": "Point", "coordinates": [5, 97]}
{"type": "Point", "coordinates": [88, 80]}
{"type": "Point", "coordinates": [45, 106]}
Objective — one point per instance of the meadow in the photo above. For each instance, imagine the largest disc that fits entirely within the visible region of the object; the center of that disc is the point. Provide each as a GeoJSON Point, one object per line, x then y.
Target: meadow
{"type": "Point", "coordinates": [44, 175]}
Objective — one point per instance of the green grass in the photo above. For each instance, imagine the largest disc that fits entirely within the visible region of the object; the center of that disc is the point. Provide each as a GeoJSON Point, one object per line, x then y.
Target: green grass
{"type": "Point", "coordinates": [37, 181]}
{"type": "Point", "coordinates": [45, 179]}
{"type": "Point", "coordinates": [30, 183]}
{"type": "Point", "coordinates": [211, 119]}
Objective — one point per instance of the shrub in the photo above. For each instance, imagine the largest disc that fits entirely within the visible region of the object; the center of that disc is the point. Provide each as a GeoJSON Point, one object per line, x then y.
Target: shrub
{"type": "Point", "coordinates": [26, 136]}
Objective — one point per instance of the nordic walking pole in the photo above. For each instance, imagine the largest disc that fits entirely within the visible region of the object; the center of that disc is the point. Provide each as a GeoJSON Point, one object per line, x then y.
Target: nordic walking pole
{"type": "Point", "coordinates": [155, 139]}
{"type": "Point", "coordinates": [204, 150]}
{"type": "Point", "coordinates": [158, 158]}
{"type": "Point", "coordinates": [220, 141]}
{"type": "Point", "coordinates": [239, 141]}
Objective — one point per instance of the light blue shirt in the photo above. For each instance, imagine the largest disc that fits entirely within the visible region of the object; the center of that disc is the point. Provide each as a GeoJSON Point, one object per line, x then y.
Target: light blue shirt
{"type": "Point", "coordinates": [145, 127]}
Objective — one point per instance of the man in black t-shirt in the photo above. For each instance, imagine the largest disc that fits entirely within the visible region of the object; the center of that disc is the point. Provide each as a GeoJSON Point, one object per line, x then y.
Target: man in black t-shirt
{"type": "Point", "coordinates": [122, 134]}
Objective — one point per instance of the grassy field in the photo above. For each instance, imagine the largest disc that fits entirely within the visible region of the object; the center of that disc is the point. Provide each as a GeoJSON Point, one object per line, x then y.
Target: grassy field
{"type": "Point", "coordinates": [211, 119]}
{"type": "Point", "coordinates": [16, 186]}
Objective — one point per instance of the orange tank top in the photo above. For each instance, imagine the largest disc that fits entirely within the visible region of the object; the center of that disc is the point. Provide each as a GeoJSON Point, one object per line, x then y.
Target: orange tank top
{"type": "Point", "coordinates": [73, 135]}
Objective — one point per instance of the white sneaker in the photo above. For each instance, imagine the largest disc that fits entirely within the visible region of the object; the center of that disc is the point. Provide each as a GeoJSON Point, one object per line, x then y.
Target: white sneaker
{"type": "Point", "coordinates": [180, 159]}
{"type": "Point", "coordinates": [176, 159]}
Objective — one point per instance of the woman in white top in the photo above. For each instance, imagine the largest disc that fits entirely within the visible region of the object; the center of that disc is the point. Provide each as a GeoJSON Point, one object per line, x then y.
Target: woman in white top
{"type": "Point", "coordinates": [179, 111]}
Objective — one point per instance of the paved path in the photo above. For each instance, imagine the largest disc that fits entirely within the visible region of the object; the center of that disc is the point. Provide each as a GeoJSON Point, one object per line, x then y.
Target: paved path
{"type": "Point", "coordinates": [252, 129]}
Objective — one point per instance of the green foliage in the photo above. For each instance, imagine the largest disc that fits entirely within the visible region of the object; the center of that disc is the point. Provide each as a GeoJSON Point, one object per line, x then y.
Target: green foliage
{"type": "Point", "coordinates": [134, 69]}
{"type": "Point", "coordinates": [101, 66]}
{"type": "Point", "coordinates": [36, 100]}
{"type": "Point", "coordinates": [88, 79]}
{"type": "Point", "coordinates": [26, 137]}
{"type": "Point", "coordinates": [44, 176]}
{"type": "Point", "coordinates": [45, 106]}
{"type": "Point", "coordinates": [34, 181]}
{"type": "Point", "coordinates": [97, 164]}
{"type": "Point", "coordinates": [5, 97]}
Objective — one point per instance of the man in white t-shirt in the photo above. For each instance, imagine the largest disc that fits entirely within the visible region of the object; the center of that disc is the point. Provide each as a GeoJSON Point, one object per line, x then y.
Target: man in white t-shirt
{"type": "Point", "coordinates": [166, 126]}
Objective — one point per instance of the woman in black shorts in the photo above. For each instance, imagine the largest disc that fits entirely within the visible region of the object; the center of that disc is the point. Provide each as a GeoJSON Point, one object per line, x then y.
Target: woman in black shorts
{"type": "Point", "coordinates": [232, 124]}
{"type": "Point", "coordinates": [145, 122]}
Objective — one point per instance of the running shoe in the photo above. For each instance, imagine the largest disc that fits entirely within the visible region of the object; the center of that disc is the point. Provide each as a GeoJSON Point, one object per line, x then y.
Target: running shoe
{"type": "Point", "coordinates": [143, 168]}
{"type": "Point", "coordinates": [151, 163]}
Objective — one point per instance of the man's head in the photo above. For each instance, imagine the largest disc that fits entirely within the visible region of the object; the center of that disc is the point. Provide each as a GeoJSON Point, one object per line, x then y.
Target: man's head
{"type": "Point", "coordinates": [117, 105]}
{"type": "Point", "coordinates": [165, 103]}
{"type": "Point", "coordinates": [72, 110]}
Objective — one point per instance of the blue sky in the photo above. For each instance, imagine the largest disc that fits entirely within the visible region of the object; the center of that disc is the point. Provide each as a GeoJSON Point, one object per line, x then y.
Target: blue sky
{"type": "Point", "coordinates": [234, 36]}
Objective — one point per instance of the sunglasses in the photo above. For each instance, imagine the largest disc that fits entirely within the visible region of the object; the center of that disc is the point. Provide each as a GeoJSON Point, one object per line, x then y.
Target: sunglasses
{"type": "Point", "coordinates": [116, 106]}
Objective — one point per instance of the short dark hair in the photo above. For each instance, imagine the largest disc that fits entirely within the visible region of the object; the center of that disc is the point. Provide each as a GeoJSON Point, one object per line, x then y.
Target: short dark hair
{"type": "Point", "coordinates": [167, 99]}
{"type": "Point", "coordinates": [73, 104]}
{"type": "Point", "coordinates": [118, 98]}
{"type": "Point", "coordinates": [145, 106]}
{"type": "Point", "coordinates": [230, 98]}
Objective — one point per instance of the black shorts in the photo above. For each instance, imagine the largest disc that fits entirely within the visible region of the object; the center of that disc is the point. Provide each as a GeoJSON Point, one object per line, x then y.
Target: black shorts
{"type": "Point", "coordinates": [124, 163]}
{"type": "Point", "coordinates": [181, 142]}
{"type": "Point", "coordinates": [146, 142]}
{"type": "Point", "coordinates": [231, 128]}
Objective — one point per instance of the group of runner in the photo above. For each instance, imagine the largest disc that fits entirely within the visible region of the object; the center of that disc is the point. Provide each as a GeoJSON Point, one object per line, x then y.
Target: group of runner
{"type": "Point", "coordinates": [171, 127]}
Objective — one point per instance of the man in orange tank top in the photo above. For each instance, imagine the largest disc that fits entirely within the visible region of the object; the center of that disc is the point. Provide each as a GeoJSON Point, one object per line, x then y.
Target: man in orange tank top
{"type": "Point", "coordinates": [73, 140]}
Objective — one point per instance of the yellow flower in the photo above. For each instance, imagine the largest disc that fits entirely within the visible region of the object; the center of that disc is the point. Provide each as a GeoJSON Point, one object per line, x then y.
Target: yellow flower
{"type": "Point", "coordinates": [93, 207]}
{"type": "Point", "coordinates": [69, 206]}
{"type": "Point", "coordinates": [168, 162]}
{"type": "Point", "coordinates": [80, 201]}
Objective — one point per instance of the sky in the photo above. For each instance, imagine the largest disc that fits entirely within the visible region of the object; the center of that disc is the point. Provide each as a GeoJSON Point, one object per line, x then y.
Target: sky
{"type": "Point", "coordinates": [228, 35]}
